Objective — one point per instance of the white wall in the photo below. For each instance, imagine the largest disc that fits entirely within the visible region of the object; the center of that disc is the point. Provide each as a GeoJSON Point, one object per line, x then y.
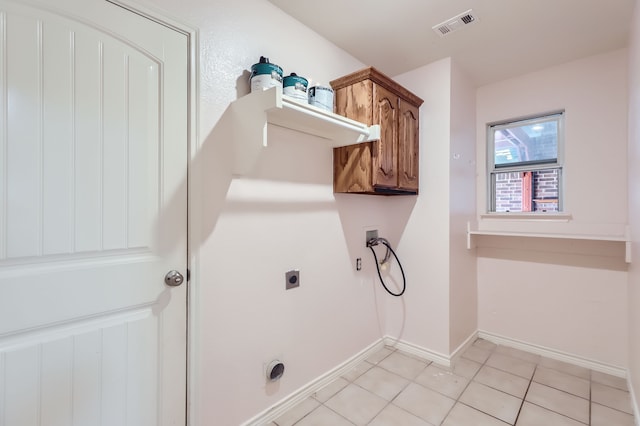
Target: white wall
{"type": "Point", "coordinates": [250, 230]}
{"type": "Point", "coordinates": [567, 295]}
{"type": "Point", "coordinates": [439, 312]}
{"type": "Point", "coordinates": [463, 292]}
{"type": "Point", "coordinates": [422, 317]}
{"type": "Point", "coordinates": [634, 205]}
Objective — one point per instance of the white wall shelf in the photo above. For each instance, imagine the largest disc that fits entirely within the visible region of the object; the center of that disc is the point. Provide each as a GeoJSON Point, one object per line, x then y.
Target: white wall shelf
{"type": "Point", "coordinates": [626, 239]}
{"type": "Point", "coordinates": [252, 113]}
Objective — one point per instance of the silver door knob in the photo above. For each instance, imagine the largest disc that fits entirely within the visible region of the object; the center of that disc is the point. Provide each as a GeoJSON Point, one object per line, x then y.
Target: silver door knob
{"type": "Point", "coordinates": [173, 278]}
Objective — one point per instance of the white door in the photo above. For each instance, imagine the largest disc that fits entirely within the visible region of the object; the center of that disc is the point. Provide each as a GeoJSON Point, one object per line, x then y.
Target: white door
{"type": "Point", "coordinates": [93, 156]}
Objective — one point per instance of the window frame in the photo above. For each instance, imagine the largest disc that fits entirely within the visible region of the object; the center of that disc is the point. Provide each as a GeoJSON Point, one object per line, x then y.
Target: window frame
{"type": "Point", "coordinates": [536, 165]}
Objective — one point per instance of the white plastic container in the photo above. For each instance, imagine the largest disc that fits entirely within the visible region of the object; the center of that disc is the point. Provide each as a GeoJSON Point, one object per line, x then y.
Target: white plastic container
{"type": "Point", "coordinates": [321, 97]}
{"type": "Point", "coordinates": [265, 75]}
{"type": "Point", "coordinates": [295, 87]}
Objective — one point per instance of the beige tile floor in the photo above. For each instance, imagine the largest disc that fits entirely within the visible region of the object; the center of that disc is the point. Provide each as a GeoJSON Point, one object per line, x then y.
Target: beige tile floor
{"type": "Point", "coordinates": [489, 386]}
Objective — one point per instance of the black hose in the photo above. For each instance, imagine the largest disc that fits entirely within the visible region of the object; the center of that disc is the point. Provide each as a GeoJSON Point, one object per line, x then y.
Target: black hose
{"type": "Point", "coordinates": [404, 280]}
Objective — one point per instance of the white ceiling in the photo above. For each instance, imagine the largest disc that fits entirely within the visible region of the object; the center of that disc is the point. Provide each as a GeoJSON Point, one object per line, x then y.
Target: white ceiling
{"type": "Point", "coordinates": [510, 38]}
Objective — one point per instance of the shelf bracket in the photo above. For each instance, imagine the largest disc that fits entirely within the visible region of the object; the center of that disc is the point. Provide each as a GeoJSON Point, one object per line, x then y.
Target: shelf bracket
{"type": "Point", "coordinates": [251, 114]}
{"type": "Point", "coordinates": [626, 238]}
{"type": "Point", "coordinates": [249, 127]}
{"type": "Point", "coordinates": [627, 244]}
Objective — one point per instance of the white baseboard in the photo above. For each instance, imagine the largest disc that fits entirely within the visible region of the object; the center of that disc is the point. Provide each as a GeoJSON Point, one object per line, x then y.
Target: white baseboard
{"type": "Point", "coordinates": [464, 346]}
{"type": "Point", "coordinates": [418, 351]}
{"type": "Point", "coordinates": [554, 354]}
{"type": "Point", "coordinates": [634, 401]}
{"type": "Point", "coordinates": [315, 385]}
{"type": "Point", "coordinates": [310, 388]}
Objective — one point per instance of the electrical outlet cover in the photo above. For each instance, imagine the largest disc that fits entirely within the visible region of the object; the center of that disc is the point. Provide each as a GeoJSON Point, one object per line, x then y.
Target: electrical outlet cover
{"type": "Point", "coordinates": [292, 279]}
{"type": "Point", "coordinates": [371, 234]}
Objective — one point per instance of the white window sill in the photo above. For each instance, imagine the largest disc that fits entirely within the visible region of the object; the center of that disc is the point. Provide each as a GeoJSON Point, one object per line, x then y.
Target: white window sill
{"type": "Point", "coordinates": [552, 217]}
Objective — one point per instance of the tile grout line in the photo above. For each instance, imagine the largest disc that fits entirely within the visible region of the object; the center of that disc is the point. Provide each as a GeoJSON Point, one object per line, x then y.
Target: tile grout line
{"type": "Point", "coordinates": [549, 409]}
{"type": "Point", "coordinates": [332, 410]}
{"type": "Point", "coordinates": [471, 378]}
{"type": "Point", "coordinates": [538, 364]}
{"type": "Point", "coordinates": [457, 400]}
{"type": "Point", "coordinates": [404, 388]}
{"type": "Point", "coordinates": [590, 395]}
{"type": "Point", "coordinates": [352, 382]}
{"type": "Point", "coordinates": [409, 381]}
{"type": "Point", "coordinates": [483, 364]}
{"type": "Point", "coordinates": [531, 380]}
{"type": "Point", "coordinates": [374, 366]}
{"type": "Point", "coordinates": [524, 397]}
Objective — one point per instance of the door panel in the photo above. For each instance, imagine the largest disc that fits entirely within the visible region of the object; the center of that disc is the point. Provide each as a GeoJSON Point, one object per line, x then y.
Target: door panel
{"type": "Point", "coordinates": [408, 149]}
{"type": "Point", "coordinates": [80, 134]}
{"type": "Point", "coordinates": [93, 155]}
{"type": "Point", "coordinates": [385, 160]}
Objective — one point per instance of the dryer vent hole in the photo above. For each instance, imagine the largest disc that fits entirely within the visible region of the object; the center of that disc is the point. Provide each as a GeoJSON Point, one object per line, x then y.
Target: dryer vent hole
{"type": "Point", "coordinates": [275, 371]}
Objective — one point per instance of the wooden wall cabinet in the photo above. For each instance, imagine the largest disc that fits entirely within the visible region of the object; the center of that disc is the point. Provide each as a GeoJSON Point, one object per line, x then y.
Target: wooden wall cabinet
{"type": "Point", "coordinates": [386, 166]}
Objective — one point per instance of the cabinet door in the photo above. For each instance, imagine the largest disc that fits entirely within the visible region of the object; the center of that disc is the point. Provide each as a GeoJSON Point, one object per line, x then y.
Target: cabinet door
{"type": "Point", "coordinates": [385, 155]}
{"type": "Point", "coordinates": [408, 159]}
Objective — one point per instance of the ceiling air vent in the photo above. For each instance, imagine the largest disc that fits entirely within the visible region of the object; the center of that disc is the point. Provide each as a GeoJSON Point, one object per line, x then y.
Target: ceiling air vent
{"type": "Point", "coordinates": [456, 23]}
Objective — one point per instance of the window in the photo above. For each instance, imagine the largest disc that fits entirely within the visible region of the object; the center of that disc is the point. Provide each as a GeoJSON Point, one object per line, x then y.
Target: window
{"type": "Point", "coordinates": [525, 164]}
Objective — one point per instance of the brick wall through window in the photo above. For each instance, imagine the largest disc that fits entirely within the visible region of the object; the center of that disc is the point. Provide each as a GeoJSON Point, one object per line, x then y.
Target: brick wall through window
{"type": "Point", "coordinates": [544, 193]}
